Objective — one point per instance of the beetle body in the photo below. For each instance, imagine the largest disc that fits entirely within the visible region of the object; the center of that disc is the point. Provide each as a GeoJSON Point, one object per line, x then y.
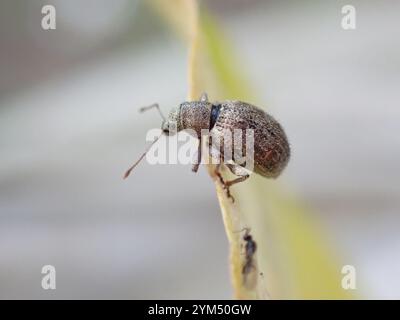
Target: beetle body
{"type": "Point", "coordinates": [271, 147]}
{"type": "Point", "coordinates": [271, 150]}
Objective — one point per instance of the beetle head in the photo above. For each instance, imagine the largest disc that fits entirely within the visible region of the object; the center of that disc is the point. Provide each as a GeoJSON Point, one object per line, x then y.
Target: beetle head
{"type": "Point", "coordinates": [171, 125]}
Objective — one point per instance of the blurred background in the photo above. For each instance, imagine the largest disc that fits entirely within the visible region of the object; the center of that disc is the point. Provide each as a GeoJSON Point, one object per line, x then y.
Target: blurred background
{"type": "Point", "coordinates": [69, 128]}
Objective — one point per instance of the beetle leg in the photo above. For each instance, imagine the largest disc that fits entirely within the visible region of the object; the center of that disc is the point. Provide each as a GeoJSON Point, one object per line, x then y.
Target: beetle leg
{"type": "Point", "coordinates": [218, 174]}
{"type": "Point", "coordinates": [215, 154]}
{"type": "Point", "coordinates": [196, 163]}
{"type": "Point", "coordinates": [238, 171]}
{"type": "Point", "coordinates": [223, 182]}
{"type": "Point", "coordinates": [237, 180]}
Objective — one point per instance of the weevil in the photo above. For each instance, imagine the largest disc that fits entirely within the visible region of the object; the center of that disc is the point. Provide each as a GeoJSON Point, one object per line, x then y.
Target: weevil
{"type": "Point", "coordinates": [271, 147]}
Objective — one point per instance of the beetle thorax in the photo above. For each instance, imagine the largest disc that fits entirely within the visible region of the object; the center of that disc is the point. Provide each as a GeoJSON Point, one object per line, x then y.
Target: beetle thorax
{"type": "Point", "coordinates": [195, 115]}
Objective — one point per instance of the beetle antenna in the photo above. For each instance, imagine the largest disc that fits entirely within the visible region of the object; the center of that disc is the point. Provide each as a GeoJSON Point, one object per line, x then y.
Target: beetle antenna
{"type": "Point", "coordinates": [247, 229]}
{"type": "Point", "coordinates": [154, 105]}
{"type": "Point", "coordinates": [128, 172]}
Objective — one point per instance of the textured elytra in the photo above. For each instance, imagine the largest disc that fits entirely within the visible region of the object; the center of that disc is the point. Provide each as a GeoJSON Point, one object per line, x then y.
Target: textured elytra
{"type": "Point", "coordinates": [271, 147]}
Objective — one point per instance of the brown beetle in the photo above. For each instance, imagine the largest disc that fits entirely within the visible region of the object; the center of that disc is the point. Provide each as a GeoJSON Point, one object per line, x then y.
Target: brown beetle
{"type": "Point", "coordinates": [271, 147]}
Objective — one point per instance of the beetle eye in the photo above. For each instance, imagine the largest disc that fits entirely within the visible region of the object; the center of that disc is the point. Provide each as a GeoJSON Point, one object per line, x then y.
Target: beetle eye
{"type": "Point", "coordinates": [165, 127]}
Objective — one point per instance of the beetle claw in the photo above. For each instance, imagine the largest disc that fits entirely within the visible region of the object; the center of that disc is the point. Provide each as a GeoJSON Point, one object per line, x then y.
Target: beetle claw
{"type": "Point", "coordinates": [225, 185]}
{"type": "Point", "coordinates": [228, 194]}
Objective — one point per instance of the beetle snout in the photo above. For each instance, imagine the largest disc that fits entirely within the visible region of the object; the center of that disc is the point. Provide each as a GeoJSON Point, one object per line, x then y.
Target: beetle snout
{"type": "Point", "coordinates": [165, 128]}
{"type": "Point", "coordinates": [169, 128]}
